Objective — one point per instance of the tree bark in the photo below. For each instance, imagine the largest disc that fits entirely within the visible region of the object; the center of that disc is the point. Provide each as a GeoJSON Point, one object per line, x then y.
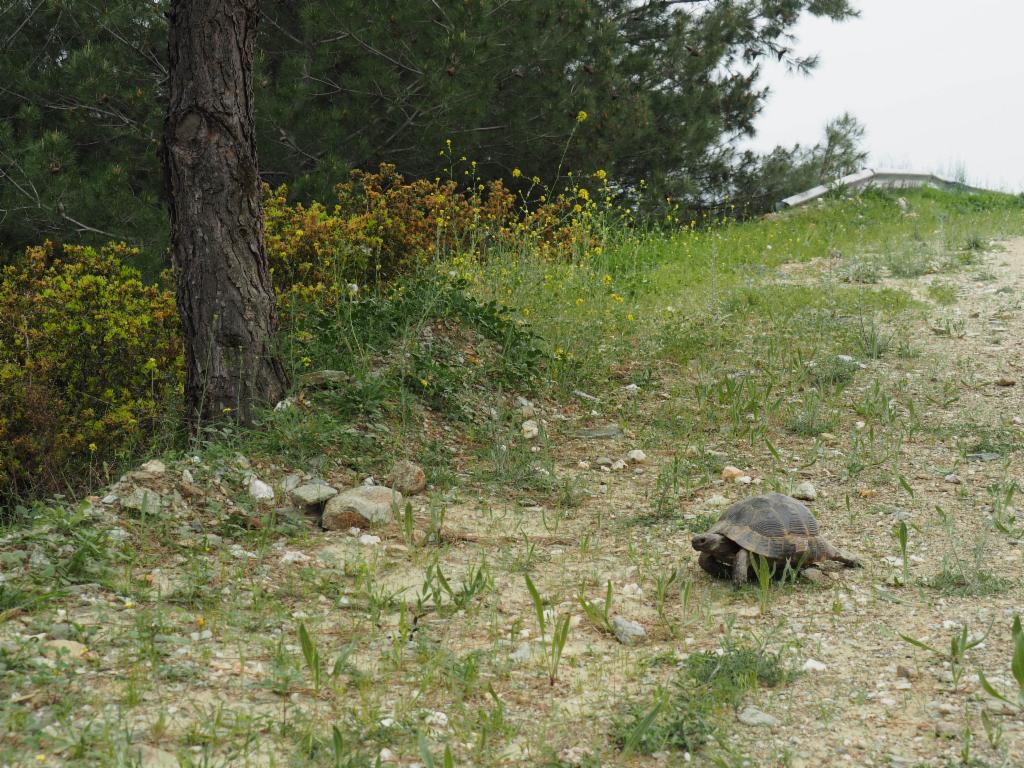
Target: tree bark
{"type": "Point", "coordinates": [224, 296]}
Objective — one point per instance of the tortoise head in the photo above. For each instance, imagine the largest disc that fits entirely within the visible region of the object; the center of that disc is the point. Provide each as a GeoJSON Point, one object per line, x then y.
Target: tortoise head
{"type": "Point", "coordinates": [712, 542]}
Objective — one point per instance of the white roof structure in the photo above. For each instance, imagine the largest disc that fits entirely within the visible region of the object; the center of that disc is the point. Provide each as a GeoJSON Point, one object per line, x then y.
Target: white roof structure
{"type": "Point", "coordinates": [869, 177]}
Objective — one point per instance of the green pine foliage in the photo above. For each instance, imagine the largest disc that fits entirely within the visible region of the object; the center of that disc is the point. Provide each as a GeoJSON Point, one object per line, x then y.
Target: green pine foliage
{"type": "Point", "coordinates": [667, 89]}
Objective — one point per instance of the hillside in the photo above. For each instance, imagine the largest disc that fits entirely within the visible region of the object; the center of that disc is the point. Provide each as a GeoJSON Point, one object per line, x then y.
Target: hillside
{"type": "Point", "coordinates": [578, 421]}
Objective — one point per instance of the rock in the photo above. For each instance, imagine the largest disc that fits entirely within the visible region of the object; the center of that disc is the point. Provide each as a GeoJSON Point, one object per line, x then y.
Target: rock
{"type": "Point", "coordinates": [618, 465]}
{"type": "Point", "coordinates": [369, 541]}
{"type": "Point", "coordinates": [905, 672]}
{"type": "Point", "coordinates": [407, 478]}
{"type": "Point", "coordinates": [187, 476]}
{"type": "Point", "coordinates": [813, 575]}
{"type": "Point", "coordinates": [716, 501]}
{"type": "Point", "coordinates": [313, 494]}
{"type": "Point", "coordinates": [260, 490]}
{"type": "Point", "coordinates": [325, 378]}
{"type": "Point", "coordinates": [953, 478]}
{"type": "Point", "coordinates": [575, 756]}
{"type": "Point", "coordinates": [118, 534]}
{"type": "Point", "coordinates": [731, 473]}
{"type": "Point", "coordinates": [983, 456]}
{"type": "Point", "coordinates": [59, 631]}
{"type": "Point", "coordinates": [142, 500]}
{"type": "Point", "coordinates": [530, 429]}
{"type": "Point", "coordinates": [805, 491]}
{"type": "Point", "coordinates": [1006, 381]}
{"type": "Point", "coordinates": [631, 389]}
{"type": "Point", "coordinates": [946, 730]}
{"type": "Point", "coordinates": [437, 720]}
{"type": "Point", "coordinates": [603, 461]}
{"type": "Point", "coordinates": [636, 456]}
{"type": "Point", "coordinates": [367, 504]}
{"type": "Point", "coordinates": [154, 468]}
{"type": "Point", "coordinates": [813, 665]}
{"type": "Point", "coordinates": [290, 483]}
{"type": "Point", "coordinates": [64, 649]}
{"type": "Point", "coordinates": [242, 462]}
{"type": "Point", "coordinates": [755, 718]}
{"type": "Point", "coordinates": [284, 405]}
{"type": "Point", "coordinates": [522, 654]}
{"type": "Point", "coordinates": [387, 756]}
{"type": "Point", "coordinates": [606, 432]}
{"type": "Point", "coordinates": [294, 556]}
{"type": "Point", "coordinates": [904, 206]}
{"type": "Point", "coordinates": [628, 632]}
{"type": "Point", "coordinates": [744, 480]}
{"type": "Point", "coordinates": [151, 757]}
{"type": "Point", "coordinates": [110, 498]}
{"type": "Point", "coordinates": [526, 409]}
{"type": "Point", "coordinates": [582, 464]}
{"type": "Point", "coordinates": [584, 396]}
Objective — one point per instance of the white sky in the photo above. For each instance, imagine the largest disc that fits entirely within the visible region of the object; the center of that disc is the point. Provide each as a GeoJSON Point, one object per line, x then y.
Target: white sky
{"type": "Point", "coordinates": [939, 85]}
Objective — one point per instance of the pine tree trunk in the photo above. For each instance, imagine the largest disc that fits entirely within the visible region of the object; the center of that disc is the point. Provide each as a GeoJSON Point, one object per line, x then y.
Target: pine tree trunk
{"type": "Point", "coordinates": [224, 295]}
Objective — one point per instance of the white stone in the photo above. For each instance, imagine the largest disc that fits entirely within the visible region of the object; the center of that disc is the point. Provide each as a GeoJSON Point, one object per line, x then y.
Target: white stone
{"type": "Point", "coordinates": [530, 429]}
{"type": "Point", "coordinates": [437, 720]}
{"type": "Point", "coordinates": [312, 494]}
{"type": "Point", "coordinates": [618, 465]}
{"type": "Point", "coordinates": [154, 467]}
{"type": "Point", "coordinates": [636, 456]}
{"type": "Point", "coordinates": [754, 717]}
{"type": "Point", "coordinates": [142, 500]}
{"type": "Point", "coordinates": [369, 540]}
{"type": "Point", "coordinates": [293, 556]}
{"type": "Point", "coordinates": [372, 504]}
{"type": "Point", "coordinates": [628, 632]}
{"type": "Point", "coordinates": [805, 491]}
{"type": "Point", "coordinates": [813, 665]}
{"type": "Point", "coordinates": [260, 490]}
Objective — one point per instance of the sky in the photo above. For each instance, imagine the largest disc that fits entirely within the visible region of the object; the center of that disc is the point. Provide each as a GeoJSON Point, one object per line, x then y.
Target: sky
{"type": "Point", "coordinates": [938, 84]}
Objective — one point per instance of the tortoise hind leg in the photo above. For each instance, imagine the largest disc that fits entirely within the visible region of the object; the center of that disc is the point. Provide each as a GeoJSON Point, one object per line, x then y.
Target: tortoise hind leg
{"type": "Point", "coordinates": [739, 568]}
{"type": "Point", "coordinates": [711, 565]}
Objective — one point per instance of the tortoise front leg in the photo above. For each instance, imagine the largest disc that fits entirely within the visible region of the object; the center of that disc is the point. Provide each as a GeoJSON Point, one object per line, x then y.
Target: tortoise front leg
{"type": "Point", "coordinates": [739, 568]}
{"type": "Point", "coordinates": [708, 562]}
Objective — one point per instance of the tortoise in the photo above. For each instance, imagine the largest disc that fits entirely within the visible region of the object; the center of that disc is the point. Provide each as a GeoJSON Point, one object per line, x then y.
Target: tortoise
{"type": "Point", "coordinates": [776, 526]}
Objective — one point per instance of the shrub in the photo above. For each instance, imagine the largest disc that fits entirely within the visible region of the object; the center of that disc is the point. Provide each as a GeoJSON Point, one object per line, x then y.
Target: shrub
{"type": "Point", "coordinates": [88, 357]}
{"type": "Point", "coordinates": [383, 226]}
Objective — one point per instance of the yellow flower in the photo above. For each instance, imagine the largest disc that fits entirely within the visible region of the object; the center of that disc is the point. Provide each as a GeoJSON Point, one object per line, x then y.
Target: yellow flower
{"type": "Point", "coordinates": [516, 173]}
{"type": "Point", "coordinates": [92, 447]}
{"type": "Point", "coordinates": [583, 194]}
{"type": "Point", "coordinates": [201, 622]}
{"type": "Point", "coordinates": [535, 179]}
{"type": "Point", "coordinates": [601, 174]}
{"type": "Point", "coordinates": [581, 117]}
{"type": "Point", "coordinates": [629, 316]}
{"type": "Point", "coordinates": [607, 279]}
{"type": "Point", "coordinates": [579, 302]}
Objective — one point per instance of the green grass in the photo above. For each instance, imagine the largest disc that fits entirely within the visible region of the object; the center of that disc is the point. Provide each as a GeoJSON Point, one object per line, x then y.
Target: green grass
{"type": "Point", "coordinates": [737, 356]}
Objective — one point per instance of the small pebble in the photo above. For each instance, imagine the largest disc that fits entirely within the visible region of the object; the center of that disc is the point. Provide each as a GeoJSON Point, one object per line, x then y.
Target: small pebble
{"type": "Point", "coordinates": [813, 665]}
{"type": "Point", "coordinates": [530, 429]}
{"type": "Point", "coordinates": [636, 456]}
{"type": "Point", "coordinates": [953, 478]}
{"type": "Point", "coordinates": [805, 491]}
{"type": "Point", "coordinates": [731, 473]}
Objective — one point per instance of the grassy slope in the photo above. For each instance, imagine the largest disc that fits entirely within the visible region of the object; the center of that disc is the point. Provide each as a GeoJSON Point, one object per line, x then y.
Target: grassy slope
{"type": "Point", "coordinates": [730, 334]}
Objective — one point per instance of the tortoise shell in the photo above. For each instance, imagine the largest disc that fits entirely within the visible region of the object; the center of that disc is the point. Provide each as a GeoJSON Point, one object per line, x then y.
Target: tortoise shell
{"type": "Point", "coordinates": [776, 526]}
